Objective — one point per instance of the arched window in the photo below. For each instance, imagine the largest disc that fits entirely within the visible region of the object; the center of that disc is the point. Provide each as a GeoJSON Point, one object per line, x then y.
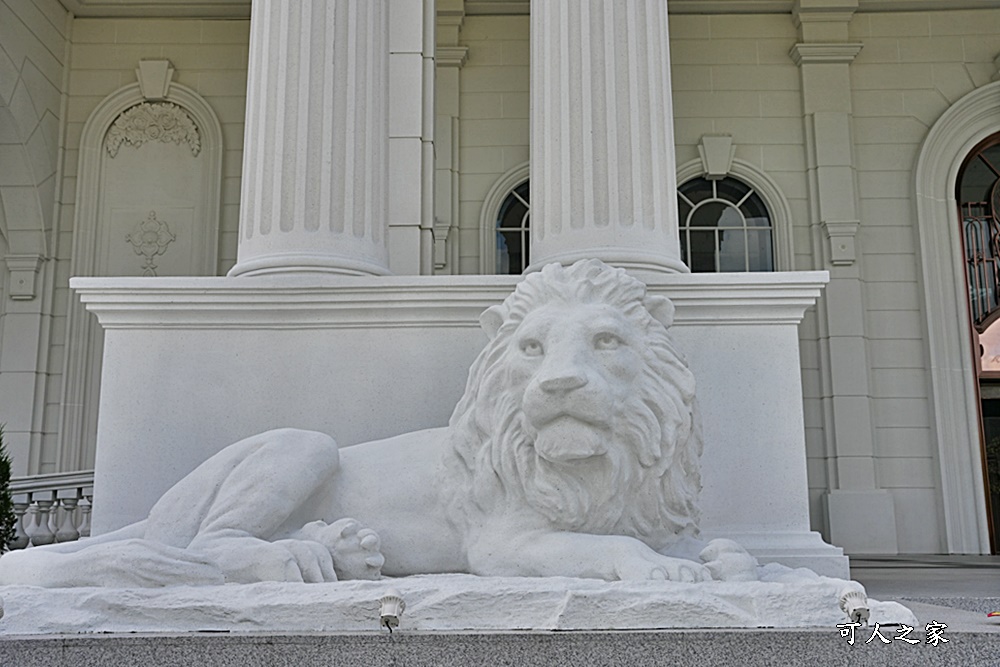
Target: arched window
{"type": "Point", "coordinates": [512, 231]}
{"type": "Point", "coordinates": [724, 226]}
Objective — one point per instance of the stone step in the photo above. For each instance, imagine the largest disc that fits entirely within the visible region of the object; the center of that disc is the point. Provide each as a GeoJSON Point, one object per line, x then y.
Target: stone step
{"type": "Point", "coordinates": [731, 648]}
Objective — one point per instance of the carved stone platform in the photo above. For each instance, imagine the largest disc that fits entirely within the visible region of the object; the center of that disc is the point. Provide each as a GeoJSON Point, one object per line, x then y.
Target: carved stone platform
{"type": "Point", "coordinates": [442, 603]}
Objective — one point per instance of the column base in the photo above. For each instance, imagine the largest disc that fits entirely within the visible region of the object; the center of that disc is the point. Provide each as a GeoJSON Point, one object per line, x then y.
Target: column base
{"type": "Point", "coordinates": [639, 264]}
{"type": "Point", "coordinates": [307, 263]}
{"type": "Point", "coordinates": [862, 522]}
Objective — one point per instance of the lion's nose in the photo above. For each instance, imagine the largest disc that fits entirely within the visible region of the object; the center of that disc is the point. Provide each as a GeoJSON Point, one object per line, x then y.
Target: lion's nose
{"type": "Point", "coordinates": [563, 383]}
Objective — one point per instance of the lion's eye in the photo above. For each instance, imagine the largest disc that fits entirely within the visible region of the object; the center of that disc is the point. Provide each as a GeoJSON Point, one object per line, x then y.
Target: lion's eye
{"type": "Point", "coordinates": [607, 341]}
{"type": "Point", "coordinates": [531, 347]}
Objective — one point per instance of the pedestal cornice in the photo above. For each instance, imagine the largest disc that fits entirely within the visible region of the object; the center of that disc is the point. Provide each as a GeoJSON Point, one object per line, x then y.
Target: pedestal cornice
{"type": "Point", "coordinates": [295, 302]}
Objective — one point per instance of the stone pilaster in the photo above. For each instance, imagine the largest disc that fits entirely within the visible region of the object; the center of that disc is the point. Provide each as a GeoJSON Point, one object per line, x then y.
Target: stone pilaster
{"type": "Point", "coordinates": [824, 57]}
{"type": "Point", "coordinates": [603, 178]}
{"type": "Point", "coordinates": [315, 162]}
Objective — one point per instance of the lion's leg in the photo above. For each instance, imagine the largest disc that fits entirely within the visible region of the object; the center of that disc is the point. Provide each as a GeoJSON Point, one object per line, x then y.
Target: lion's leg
{"type": "Point", "coordinates": [266, 484]}
{"type": "Point", "coordinates": [542, 553]}
{"type": "Point", "coordinates": [124, 563]}
{"type": "Point", "coordinates": [224, 514]}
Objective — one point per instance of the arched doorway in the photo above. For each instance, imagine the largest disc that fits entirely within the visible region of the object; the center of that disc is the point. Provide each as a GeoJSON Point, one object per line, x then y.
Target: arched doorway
{"type": "Point", "coordinates": [954, 395]}
{"type": "Point", "coordinates": [977, 193]}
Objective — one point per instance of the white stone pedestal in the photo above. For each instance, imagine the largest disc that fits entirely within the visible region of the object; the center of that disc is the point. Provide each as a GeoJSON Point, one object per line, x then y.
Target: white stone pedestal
{"type": "Point", "coordinates": [194, 364]}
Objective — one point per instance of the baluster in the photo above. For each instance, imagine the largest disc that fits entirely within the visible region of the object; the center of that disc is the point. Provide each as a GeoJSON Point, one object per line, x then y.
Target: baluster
{"type": "Point", "coordinates": [85, 509]}
{"type": "Point", "coordinates": [31, 525]}
{"type": "Point", "coordinates": [67, 531]}
{"type": "Point", "coordinates": [55, 513]}
{"type": "Point", "coordinates": [20, 540]}
{"type": "Point", "coordinates": [43, 532]}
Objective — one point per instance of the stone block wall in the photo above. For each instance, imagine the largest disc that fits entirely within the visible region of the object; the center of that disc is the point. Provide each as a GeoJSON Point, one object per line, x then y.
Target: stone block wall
{"type": "Point", "coordinates": [494, 109]}
{"type": "Point", "coordinates": [33, 51]}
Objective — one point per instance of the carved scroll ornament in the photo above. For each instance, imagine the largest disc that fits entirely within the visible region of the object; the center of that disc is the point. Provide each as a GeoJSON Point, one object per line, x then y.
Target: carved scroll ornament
{"type": "Point", "coordinates": [153, 121]}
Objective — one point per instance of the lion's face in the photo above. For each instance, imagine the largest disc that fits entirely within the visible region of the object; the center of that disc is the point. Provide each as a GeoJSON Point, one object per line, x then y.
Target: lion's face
{"type": "Point", "coordinates": [581, 410]}
{"type": "Point", "coordinates": [574, 368]}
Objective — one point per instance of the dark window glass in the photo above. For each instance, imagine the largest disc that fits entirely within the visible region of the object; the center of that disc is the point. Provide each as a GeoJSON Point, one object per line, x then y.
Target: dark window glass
{"type": "Point", "coordinates": [512, 231]}
{"type": "Point", "coordinates": [724, 226]}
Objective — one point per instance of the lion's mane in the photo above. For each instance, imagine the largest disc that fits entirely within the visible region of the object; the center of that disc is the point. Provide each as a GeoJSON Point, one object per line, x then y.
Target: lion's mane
{"type": "Point", "coordinates": [648, 484]}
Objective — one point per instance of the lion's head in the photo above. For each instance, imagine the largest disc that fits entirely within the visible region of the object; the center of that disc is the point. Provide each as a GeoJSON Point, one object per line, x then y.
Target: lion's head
{"type": "Point", "coordinates": [580, 409]}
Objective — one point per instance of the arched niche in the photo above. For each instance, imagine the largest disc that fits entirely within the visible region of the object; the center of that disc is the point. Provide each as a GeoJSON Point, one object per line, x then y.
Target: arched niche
{"type": "Point", "coordinates": [955, 417]}
{"type": "Point", "coordinates": [147, 204]}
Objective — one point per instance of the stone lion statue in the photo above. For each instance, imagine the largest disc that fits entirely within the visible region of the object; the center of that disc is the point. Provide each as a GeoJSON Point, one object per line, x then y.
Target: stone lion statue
{"type": "Point", "coordinates": [574, 452]}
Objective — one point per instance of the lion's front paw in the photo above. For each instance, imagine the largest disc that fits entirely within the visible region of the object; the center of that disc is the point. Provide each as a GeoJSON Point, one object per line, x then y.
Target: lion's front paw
{"type": "Point", "coordinates": [728, 561]}
{"type": "Point", "coordinates": [247, 560]}
{"type": "Point", "coordinates": [355, 548]}
{"type": "Point", "coordinates": [646, 564]}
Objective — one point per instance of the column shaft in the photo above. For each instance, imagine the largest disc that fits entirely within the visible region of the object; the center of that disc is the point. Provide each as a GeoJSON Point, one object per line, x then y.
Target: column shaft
{"type": "Point", "coordinates": [603, 180]}
{"type": "Point", "coordinates": [315, 161]}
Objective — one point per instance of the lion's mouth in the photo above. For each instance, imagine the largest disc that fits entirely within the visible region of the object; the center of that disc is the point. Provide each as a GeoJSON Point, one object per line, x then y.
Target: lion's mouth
{"type": "Point", "coordinates": [568, 438]}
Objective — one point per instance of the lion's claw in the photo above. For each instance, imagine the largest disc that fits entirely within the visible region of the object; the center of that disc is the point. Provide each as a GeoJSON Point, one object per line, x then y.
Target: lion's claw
{"type": "Point", "coordinates": [642, 563]}
{"type": "Point", "coordinates": [355, 549]}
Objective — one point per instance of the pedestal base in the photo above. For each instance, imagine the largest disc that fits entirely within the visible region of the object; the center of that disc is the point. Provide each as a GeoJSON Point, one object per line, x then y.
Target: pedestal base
{"type": "Point", "coordinates": [862, 522]}
{"type": "Point", "coordinates": [194, 364]}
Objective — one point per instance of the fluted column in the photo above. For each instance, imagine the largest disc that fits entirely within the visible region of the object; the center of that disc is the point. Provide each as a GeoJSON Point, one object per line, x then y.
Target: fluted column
{"type": "Point", "coordinates": [315, 167]}
{"type": "Point", "coordinates": [603, 180]}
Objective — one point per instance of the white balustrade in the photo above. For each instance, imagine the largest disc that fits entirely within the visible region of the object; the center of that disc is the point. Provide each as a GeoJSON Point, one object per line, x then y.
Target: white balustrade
{"type": "Point", "coordinates": [51, 508]}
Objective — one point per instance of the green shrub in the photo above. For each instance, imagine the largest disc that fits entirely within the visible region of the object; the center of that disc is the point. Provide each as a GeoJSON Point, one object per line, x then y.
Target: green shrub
{"type": "Point", "coordinates": [7, 517]}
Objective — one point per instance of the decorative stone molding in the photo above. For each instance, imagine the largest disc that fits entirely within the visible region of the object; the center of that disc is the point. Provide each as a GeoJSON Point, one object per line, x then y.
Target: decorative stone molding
{"type": "Point", "coordinates": [153, 121]}
{"type": "Point", "coordinates": [823, 19]}
{"type": "Point", "coordinates": [452, 56]}
{"type": "Point", "coordinates": [450, 18]}
{"type": "Point", "coordinates": [717, 153]}
{"type": "Point", "coordinates": [154, 78]}
{"type": "Point", "coordinates": [23, 270]}
{"type": "Point", "coordinates": [841, 233]}
{"type": "Point", "coordinates": [441, 233]}
{"type": "Point", "coordinates": [149, 239]}
{"type": "Point", "coordinates": [844, 53]}
{"type": "Point", "coordinates": [714, 299]}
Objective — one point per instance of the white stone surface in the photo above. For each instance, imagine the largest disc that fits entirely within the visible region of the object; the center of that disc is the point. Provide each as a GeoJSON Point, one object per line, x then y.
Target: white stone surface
{"type": "Point", "coordinates": [316, 154]}
{"type": "Point", "coordinates": [440, 603]}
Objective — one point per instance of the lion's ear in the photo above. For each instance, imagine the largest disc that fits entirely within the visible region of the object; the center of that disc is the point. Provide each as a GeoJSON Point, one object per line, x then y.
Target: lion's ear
{"type": "Point", "coordinates": [491, 320]}
{"type": "Point", "coordinates": [661, 308]}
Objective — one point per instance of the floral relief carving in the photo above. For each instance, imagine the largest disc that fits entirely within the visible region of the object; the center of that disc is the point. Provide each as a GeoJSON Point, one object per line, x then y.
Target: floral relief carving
{"type": "Point", "coordinates": [153, 121]}
{"type": "Point", "coordinates": [149, 239]}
